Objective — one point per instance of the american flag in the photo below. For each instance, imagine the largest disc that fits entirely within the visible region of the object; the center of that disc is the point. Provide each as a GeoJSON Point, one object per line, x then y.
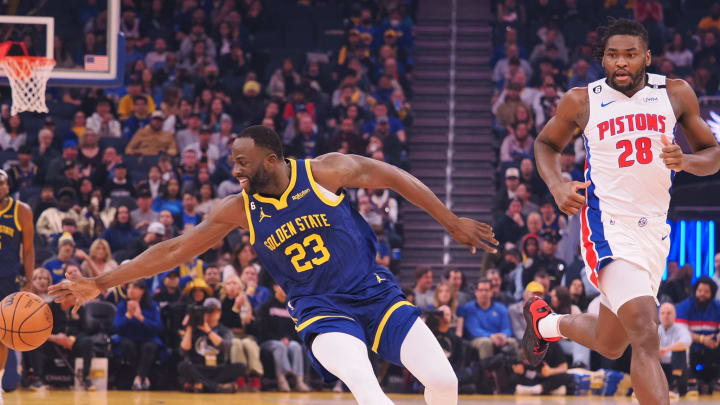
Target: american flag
{"type": "Point", "coordinates": [96, 63]}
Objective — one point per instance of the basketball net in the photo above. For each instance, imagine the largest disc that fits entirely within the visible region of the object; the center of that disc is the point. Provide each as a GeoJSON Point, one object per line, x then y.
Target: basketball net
{"type": "Point", "coordinates": [28, 76]}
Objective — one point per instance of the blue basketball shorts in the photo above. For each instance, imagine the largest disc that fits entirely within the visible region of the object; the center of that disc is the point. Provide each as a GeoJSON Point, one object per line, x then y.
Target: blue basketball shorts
{"type": "Point", "coordinates": [380, 316]}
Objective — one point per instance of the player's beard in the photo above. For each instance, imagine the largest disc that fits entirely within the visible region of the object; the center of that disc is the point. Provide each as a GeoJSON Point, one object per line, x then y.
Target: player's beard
{"type": "Point", "coordinates": [258, 181]}
{"type": "Point", "coordinates": [635, 80]}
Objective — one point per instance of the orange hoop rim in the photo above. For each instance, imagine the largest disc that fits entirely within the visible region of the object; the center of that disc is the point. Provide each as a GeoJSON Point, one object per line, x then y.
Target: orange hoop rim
{"type": "Point", "coordinates": [38, 60]}
{"type": "Point", "coordinates": [22, 67]}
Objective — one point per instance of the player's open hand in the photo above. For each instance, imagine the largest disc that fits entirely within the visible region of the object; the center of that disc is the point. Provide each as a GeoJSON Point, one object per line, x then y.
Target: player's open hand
{"type": "Point", "coordinates": [83, 289]}
{"type": "Point", "coordinates": [473, 234]}
{"type": "Point", "coordinates": [671, 155]}
{"type": "Point", "coordinates": [567, 197]}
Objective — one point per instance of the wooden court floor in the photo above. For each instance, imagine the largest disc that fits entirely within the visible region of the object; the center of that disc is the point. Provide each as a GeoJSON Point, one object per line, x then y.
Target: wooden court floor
{"type": "Point", "coordinates": [267, 398]}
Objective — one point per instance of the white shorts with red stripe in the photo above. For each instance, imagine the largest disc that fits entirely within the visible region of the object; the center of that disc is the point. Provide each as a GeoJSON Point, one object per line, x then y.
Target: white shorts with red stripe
{"type": "Point", "coordinates": [642, 241]}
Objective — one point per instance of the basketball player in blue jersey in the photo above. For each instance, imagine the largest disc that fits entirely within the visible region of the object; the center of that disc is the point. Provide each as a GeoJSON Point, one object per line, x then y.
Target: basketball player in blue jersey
{"type": "Point", "coordinates": [322, 253]}
{"type": "Point", "coordinates": [16, 238]}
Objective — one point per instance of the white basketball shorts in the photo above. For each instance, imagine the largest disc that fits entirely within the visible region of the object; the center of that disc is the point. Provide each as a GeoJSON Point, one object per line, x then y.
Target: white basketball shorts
{"type": "Point", "coordinates": [625, 256]}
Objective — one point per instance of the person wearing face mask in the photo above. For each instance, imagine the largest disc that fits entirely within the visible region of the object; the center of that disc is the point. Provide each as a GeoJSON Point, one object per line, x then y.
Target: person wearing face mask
{"type": "Point", "coordinates": [398, 21]}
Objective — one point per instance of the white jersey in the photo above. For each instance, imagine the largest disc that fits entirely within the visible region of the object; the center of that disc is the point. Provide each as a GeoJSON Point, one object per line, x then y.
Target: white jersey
{"type": "Point", "coordinates": [629, 194]}
{"type": "Point", "coordinates": [623, 146]}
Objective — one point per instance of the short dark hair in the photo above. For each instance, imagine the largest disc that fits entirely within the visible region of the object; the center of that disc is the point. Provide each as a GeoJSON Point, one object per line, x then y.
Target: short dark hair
{"type": "Point", "coordinates": [483, 281]}
{"type": "Point", "coordinates": [264, 137]}
{"type": "Point", "coordinates": [492, 270]}
{"type": "Point", "coordinates": [620, 26]}
{"type": "Point", "coordinates": [420, 271]}
{"type": "Point", "coordinates": [140, 97]}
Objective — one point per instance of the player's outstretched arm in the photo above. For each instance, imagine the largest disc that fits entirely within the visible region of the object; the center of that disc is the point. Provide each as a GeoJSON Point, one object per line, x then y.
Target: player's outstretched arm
{"type": "Point", "coordinates": [572, 113]}
{"type": "Point", "coordinates": [163, 256]}
{"type": "Point", "coordinates": [705, 159]}
{"type": "Point", "coordinates": [335, 170]}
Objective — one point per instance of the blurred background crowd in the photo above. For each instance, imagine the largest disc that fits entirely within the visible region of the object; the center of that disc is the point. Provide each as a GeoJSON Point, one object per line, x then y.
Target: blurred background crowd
{"type": "Point", "coordinates": [109, 173]}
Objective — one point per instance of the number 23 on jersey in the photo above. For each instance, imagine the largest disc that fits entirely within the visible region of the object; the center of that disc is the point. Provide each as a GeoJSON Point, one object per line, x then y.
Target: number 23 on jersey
{"type": "Point", "coordinates": [298, 253]}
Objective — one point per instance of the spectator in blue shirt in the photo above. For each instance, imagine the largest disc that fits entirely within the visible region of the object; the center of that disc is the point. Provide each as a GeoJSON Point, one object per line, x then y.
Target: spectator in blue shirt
{"type": "Point", "coordinates": [55, 265]}
{"type": "Point", "coordinates": [169, 198]}
{"type": "Point", "coordinates": [188, 216]}
{"type": "Point", "coordinates": [137, 327]}
{"type": "Point", "coordinates": [701, 314]}
{"type": "Point", "coordinates": [487, 323]}
{"type": "Point", "coordinates": [120, 233]}
{"type": "Point", "coordinates": [396, 127]}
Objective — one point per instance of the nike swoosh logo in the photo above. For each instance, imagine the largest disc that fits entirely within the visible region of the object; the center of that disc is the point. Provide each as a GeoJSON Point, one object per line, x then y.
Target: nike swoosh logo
{"type": "Point", "coordinates": [606, 104]}
{"type": "Point", "coordinates": [665, 237]}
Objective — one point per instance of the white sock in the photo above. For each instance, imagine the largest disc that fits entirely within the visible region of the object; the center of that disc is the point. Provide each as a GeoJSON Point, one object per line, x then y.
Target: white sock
{"type": "Point", "coordinates": [528, 389]}
{"type": "Point", "coordinates": [549, 327]}
{"type": "Point", "coordinates": [561, 390]}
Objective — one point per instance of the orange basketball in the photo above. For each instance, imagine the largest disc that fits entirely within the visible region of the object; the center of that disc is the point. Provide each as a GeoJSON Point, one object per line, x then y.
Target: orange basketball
{"type": "Point", "coordinates": [26, 321]}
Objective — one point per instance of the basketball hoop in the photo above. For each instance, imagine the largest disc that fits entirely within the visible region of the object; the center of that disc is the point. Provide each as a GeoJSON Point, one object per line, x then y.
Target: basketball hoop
{"type": "Point", "coordinates": [28, 76]}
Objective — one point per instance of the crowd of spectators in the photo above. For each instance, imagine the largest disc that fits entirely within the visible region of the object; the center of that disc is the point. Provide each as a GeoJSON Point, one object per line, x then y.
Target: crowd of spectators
{"type": "Point", "coordinates": [111, 172]}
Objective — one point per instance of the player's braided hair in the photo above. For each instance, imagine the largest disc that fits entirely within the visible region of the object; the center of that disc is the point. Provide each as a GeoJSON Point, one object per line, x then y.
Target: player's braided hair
{"type": "Point", "coordinates": [264, 137]}
{"type": "Point", "coordinates": [619, 26]}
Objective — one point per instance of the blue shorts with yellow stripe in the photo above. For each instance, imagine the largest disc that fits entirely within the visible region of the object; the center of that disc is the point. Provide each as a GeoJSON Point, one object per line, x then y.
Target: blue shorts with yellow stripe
{"type": "Point", "coordinates": [380, 316]}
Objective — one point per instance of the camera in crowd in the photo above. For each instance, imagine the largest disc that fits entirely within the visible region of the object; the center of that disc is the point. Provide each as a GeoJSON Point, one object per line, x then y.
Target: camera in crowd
{"type": "Point", "coordinates": [196, 315]}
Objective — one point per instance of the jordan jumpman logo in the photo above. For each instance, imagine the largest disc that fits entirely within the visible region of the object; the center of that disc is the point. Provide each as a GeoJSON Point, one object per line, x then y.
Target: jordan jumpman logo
{"type": "Point", "coordinates": [263, 215]}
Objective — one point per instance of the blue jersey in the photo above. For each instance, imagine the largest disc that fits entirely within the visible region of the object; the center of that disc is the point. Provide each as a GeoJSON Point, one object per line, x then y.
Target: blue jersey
{"type": "Point", "coordinates": [322, 253]}
{"type": "Point", "coordinates": [10, 240]}
{"type": "Point", "coordinates": [311, 240]}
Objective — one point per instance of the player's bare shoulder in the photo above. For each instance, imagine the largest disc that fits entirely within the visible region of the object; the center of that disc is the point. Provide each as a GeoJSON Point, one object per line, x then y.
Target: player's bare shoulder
{"type": "Point", "coordinates": [681, 95]}
{"type": "Point", "coordinates": [331, 169]}
{"type": "Point", "coordinates": [575, 106]}
{"type": "Point", "coordinates": [25, 212]}
{"type": "Point", "coordinates": [231, 211]}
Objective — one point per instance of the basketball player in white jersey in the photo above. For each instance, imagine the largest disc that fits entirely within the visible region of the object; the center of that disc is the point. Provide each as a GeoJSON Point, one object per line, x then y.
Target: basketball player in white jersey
{"type": "Point", "coordinates": [628, 120]}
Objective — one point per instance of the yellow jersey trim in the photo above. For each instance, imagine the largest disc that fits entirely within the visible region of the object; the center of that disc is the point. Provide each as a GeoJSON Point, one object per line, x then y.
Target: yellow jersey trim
{"type": "Point", "coordinates": [10, 203]}
{"type": "Point", "coordinates": [310, 321]}
{"type": "Point", "coordinates": [17, 219]}
{"type": "Point", "coordinates": [282, 202]}
{"type": "Point", "coordinates": [317, 190]}
{"type": "Point", "coordinates": [384, 320]}
{"type": "Point", "coordinates": [246, 200]}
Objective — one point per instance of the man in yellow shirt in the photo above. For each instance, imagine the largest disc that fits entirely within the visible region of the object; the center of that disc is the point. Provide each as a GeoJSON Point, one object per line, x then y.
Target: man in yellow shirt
{"type": "Point", "coordinates": [152, 140]}
{"type": "Point", "coordinates": [126, 105]}
{"type": "Point", "coordinates": [712, 21]}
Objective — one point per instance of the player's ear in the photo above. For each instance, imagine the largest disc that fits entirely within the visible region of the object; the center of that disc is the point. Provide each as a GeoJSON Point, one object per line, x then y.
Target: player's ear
{"type": "Point", "coordinates": [648, 58]}
{"type": "Point", "coordinates": [271, 158]}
